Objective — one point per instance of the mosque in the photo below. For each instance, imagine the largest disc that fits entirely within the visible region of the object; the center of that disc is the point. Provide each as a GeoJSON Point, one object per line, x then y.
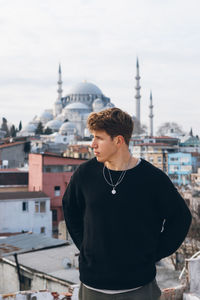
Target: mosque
{"type": "Point", "coordinates": [69, 114]}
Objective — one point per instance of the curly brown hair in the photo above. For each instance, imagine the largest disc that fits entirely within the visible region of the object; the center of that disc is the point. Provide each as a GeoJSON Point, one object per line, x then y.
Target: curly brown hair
{"type": "Point", "coordinates": [113, 121]}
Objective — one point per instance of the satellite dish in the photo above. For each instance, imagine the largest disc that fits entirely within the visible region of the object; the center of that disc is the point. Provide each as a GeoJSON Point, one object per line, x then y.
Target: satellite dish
{"type": "Point", "coordinates": [66, 263]}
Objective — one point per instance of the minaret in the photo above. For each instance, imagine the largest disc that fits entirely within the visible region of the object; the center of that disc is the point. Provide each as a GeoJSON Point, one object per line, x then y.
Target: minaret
{"type": "Point", "coordinates": [58, 104]}
{"type": "Point", "coordinates": [137, 96]}
{"type": "Point", "coordinates": [151, 116]}
{"type": "Point", "coordinates": [59, 83]}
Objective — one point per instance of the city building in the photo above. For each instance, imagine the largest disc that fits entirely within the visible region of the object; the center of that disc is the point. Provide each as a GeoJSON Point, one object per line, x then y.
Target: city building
{"type": "Point", "coordinates": [195, 178]}
{"type": "Point", "coordinates": [13, 154]}
{"type": "Point", "coordinates": [79, 151]}
{"type": "Point", "coordinates": [13, 180]}
{"type": "Point", "coordinates": [51, 173]}
{"type": "Point", "coordinates": [32, 261]}
{"type": "Point", "coordinates": [190, 144]}
{"type": "Point", "coordinates": [154, 149]}
{"type": "Point", "coordinates": [25, 211]}
{"type": "Point", "coordinates": [180, 167]}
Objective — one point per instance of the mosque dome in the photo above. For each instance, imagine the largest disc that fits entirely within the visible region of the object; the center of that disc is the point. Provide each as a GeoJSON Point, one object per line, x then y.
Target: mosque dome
{"type": "Point", "coordinates": [54, 125]}
{"type": "Point", "coordinates": [97, 105]}
{"type": "Point", "coordinates": [46, 116]}
{"type": "Point", "coordinates": [59, 117]}
{"type": "Point", "coordinates": [68, 128]}
{"type": "Point", "coordinates": [29, 128]}
{"type": "Point", "coordinates": [85, 88]}
{"type": "Point", "coordinates": [76, 107]}
{"type": "Point", "coordinates": [109, 105]}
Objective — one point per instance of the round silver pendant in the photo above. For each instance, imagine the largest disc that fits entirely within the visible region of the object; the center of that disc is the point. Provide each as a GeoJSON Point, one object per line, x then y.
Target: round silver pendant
{"type": "Point", "coordinates": [113, 191]}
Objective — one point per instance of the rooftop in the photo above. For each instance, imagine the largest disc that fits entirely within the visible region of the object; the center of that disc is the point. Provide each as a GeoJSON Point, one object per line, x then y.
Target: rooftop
{"type": "Point", "coordinates": [22, 195]}
{"type": "Point", "coordinates": [11, 144]}
{"type": "Point", "coordinates": [27, 242]}
{"type": "Point", "coordinates": [52, 261]}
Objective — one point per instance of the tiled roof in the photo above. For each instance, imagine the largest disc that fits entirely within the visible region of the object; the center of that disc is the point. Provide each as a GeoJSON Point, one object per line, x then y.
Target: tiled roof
{"type": "Point", "coordinates": [8, 170]}
{"type": "Point", "coordinates": [154, 144]}
{"type": "Point", "coordinates": [11, 144]}
{"type": "Point", "coordinates": [22, 195]}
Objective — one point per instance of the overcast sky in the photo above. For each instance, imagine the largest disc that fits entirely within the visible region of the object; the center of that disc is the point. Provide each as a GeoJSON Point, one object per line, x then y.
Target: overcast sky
{"type": "Point", "coordinates": [99, 41]}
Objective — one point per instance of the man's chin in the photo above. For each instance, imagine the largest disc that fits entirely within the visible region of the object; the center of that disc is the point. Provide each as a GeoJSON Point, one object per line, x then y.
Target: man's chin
{"type": "Point", "coordinates": [99, 159]}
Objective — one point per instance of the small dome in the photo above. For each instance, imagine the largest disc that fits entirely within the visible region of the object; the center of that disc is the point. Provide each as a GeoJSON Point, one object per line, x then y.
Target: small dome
{"type": "Point", "coordinates": [30, 127]}
{"type": "Point", "coordinates": [97, 105]}
{"type": "Point", "coordinates": [109, 105]}
{"type": "Point", "coordinates": [68, 128]}
{"type": "Point", "coordinates": [46, 116]}
{"type": "Point", "coordinates": [54, 125]}
{"type": "Point", "coordinates": [76, 105]}
{"type": "Point", "coordinates": [60, 117]}
{"type": "Point", "coordinates": [85, 88]}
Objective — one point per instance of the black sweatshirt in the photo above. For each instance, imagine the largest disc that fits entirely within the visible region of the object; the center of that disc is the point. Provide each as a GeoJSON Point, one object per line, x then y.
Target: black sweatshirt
{"type": "Point", "coordinates": [121, 236]}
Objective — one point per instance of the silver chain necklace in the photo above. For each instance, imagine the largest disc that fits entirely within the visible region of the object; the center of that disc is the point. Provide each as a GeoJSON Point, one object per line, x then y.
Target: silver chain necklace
{"type": "Point", "coordinates": [121, 177]}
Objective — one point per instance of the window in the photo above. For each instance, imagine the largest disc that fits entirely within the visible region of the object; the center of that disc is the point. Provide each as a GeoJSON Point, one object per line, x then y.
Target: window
{"type": "Point", "coordinates": [24, 206]}
{"type": "Point", "coordinates": [56, 191]}
{"type": "Point", "coordinates": [173, 168]}
{"type": "Point", "coordinates": [42, 230]}
{"type": "Point", "coordinates": [186, 168]}
{"type": "Point", "coordinates": [54, 215]}
{"type": "Point", "coordinates": [173, 176]}
{"type": "Point", "coordinates": [25, 283]}
{"type": "Point", "coordinates": [174, 158]}
{"type": "Point", "coordinates": [40, 206]}
{"type": "Point", "coordinates": [184, 159]}
{"type": "Point", "coordinates": [159, 158]}
{"type": "Point", "coordinates": [59, 168]}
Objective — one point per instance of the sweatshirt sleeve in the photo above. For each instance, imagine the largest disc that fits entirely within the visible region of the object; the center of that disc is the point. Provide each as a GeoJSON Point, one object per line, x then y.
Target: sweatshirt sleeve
{"type": "Point", "coordinates": [176, 215]}
{"type": "Point", "coordinates": [73, 209]}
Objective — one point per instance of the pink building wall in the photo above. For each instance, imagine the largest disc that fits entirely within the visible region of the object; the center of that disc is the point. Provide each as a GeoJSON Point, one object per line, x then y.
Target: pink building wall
{"type": "Point", "coordinates": [35, 172]}
{"type": "Point", "coordinates": [47, 181]}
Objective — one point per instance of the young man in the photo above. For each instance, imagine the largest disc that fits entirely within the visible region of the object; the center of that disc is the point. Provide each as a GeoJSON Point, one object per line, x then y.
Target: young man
{"type": "Point", "coordinates": [123, 214]}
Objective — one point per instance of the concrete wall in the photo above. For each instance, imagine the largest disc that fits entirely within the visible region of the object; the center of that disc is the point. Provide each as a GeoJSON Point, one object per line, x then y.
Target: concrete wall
{"type": "Point", "coordinates": [8, 278]}
{"type": "Point", "coordinates": [9, 282]}
{"type": "Point", "coordinates": [14, 154]}
{"type": "Point", "coordinates": [14, 219]}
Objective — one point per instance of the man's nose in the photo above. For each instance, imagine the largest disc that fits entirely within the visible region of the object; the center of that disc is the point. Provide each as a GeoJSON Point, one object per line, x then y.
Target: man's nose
{"type": "Point", "coordinates": [94, 144]}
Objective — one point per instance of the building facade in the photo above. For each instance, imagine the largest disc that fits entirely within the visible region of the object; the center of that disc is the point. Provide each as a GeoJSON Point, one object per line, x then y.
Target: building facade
{"type": "Point", "coordinates": [180, 167]}
{"type": "Point", "coordinates": [25, 211]}
{"type": "Point", "coordinates": [51, 173]}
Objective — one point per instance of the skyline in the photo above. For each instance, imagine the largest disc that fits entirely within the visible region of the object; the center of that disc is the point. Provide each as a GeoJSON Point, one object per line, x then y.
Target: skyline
{"type": "Point", "coordinates": [99, 42]}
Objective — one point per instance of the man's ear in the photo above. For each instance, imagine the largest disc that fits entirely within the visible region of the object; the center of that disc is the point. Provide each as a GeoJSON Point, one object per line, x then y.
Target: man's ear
{"type": "Point", "coordinates": [120, 140]}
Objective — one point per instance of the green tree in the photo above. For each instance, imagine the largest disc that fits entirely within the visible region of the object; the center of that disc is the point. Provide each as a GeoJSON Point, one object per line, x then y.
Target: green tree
{"type": "Point", "coordinates": [13, 131]}
{"type": "Point", "coordinates": [20, 125]}
{"type": "Point", "coordinates": [48, 131]}
{"type": "Point", "coordinates": [4, 127]}
{"type": "Point", "coordinates": [39, 129]}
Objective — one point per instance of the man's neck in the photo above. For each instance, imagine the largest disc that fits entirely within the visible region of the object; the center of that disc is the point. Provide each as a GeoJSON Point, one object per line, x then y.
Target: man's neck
{"type": "Point", "coordinates": [120, 162]}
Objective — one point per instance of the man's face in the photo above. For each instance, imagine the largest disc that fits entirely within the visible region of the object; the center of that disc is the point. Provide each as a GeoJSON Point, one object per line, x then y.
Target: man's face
{"type": "Point", "coordinates": [105, 148]}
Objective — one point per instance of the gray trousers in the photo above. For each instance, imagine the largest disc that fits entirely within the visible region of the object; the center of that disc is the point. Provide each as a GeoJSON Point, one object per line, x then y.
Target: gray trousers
{"type": "Point", "coordinates": [150, 291]}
